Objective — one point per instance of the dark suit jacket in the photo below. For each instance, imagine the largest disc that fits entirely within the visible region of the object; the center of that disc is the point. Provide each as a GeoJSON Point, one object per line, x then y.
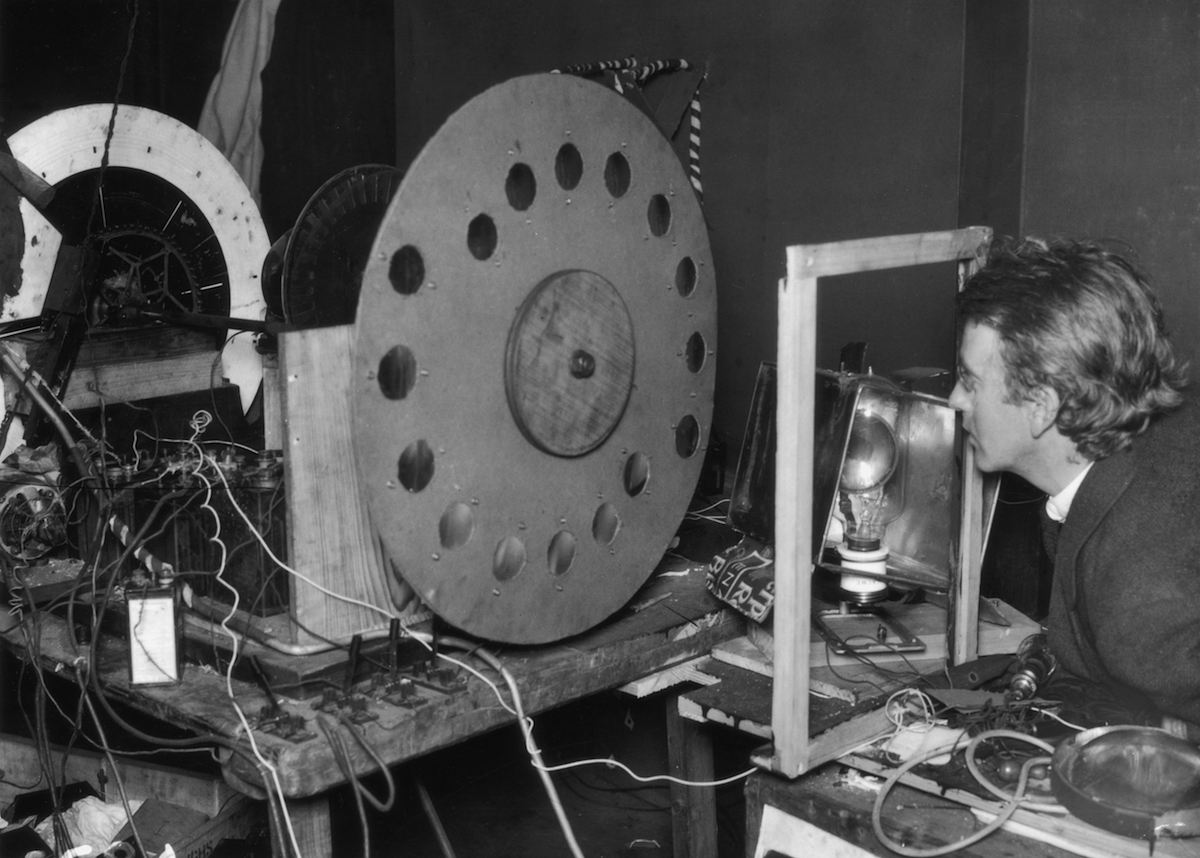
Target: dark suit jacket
{"type": "Point", "coordinates": [1125, 603]}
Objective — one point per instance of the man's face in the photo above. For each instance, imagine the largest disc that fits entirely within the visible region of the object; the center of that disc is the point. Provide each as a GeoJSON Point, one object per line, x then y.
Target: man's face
{"type": "Point", "coordinates": [1000, 431]}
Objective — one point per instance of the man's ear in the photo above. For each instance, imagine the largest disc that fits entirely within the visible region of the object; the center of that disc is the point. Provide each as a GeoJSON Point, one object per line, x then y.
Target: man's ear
{"type": "Point", "coordinates": [1043, 410]}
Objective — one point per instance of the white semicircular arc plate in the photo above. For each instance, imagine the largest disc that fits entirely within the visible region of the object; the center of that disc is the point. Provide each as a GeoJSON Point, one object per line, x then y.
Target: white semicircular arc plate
{"type": "Point", "coordinates": [71, 141]}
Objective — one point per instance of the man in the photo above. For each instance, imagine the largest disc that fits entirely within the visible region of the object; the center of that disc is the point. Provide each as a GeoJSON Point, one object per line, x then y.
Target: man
{"type": "Point", "coordinates": [1066, 378]}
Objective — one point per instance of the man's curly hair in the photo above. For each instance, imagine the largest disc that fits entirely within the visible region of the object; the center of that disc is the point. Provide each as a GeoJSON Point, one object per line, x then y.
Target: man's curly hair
{"type": "Point", "coordinates": [1081, 319]}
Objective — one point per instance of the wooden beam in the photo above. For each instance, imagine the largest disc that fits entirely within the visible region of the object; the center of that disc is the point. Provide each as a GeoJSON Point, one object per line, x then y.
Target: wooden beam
{"type": "Point", "coordinates": [129, 381]}
{"type": "Point", "coordinates": [810, 261]}
{"type": "Point", "coordinates": [795, 437]}
{"type": "Point", "coordinates": [693, 808]}
{"type": "Point", "coordinates": [22, 765]}
{"type": "Point", "coordinates": [964, 590]}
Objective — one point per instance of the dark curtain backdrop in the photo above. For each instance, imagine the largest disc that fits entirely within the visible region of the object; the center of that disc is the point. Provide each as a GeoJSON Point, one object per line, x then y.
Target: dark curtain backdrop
{"type": "Point", "coordinates": [328, 100]}
{"type": "Point", "coordinates": [62, 53]}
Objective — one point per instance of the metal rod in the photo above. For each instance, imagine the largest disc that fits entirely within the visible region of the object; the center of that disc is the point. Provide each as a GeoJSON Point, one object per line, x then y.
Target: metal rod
{"type": "Point", "coordinates": [434, 819]}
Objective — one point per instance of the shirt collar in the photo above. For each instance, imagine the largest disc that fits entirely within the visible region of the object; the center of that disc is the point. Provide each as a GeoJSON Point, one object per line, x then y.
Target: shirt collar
{"type": "Point", "coordinates": [1058, 506]}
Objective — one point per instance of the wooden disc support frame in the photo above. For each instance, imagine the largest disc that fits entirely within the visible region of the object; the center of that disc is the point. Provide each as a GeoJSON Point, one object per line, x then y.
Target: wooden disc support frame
{"type": "Point", "coordinates": [168, 189]}
{"type": "Point", "coordinates": [534, 360]}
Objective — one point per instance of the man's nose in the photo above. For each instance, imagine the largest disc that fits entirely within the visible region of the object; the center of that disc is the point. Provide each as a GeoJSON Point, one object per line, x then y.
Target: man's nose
{"type": "Point", "coordinates": [958, 398]}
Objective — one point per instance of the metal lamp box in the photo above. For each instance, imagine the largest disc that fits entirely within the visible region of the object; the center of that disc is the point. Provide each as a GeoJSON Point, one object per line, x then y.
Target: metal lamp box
{"type": "Point", "coordinates": [922, 540]}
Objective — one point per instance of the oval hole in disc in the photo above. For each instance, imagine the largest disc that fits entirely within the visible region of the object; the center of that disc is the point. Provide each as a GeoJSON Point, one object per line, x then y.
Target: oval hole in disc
{"type": "Point", "coordinates": [561, 555]}
{"type": "Point", "coordinates": [637, 474]}
{"type": "Point", "coordinates": [407, 270]}
{"type": "Point", "coordinates": [521, 187]}
{"type": "Point", "coordinates": [456, 525]}
{"type": "Point", "coordinates": [696, 352]}
{"type": "Point", "coordinates": [658, 215]}
{"type": "Point", "coordinates": [509, 559]}
{"type": "Point", "coordinates": [415, 469]}
{"type": "Point", "coordinates": [617, 175]}
{"type": "Point", "coordinates": [605, 524]}
{"type": "Point", "coordinates": [685, 277]}
{"type": "Point", "coordinates": [481, 236]}
{"type": "Point", "coordinates": [687, 437]}
{"type": "Point", "coordinates": [397, 372]}
{"type": "Point", "coordinates": [568, 167]}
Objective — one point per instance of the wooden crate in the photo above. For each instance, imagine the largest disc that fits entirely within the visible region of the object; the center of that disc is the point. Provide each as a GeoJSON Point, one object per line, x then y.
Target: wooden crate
{"type": "Point", "coordinates": [332, 543]}
{"type": "Point", "coordinates": [794, 751]}
{"type": "Point", "coordinates": [329, 530]}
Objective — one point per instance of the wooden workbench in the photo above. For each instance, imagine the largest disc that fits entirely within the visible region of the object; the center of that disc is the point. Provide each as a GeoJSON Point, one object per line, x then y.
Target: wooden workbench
{"type": "Point", "coordinates": [680, 621]}
{"type": "Point", "coordinates": [920, 812]}
{"type": "Point", "coordinates": [833, 800]}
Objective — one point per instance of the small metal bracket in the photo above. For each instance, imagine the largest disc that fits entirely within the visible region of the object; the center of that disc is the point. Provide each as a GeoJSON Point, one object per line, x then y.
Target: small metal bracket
{"type": "Point", "coordinates": [865, 632]}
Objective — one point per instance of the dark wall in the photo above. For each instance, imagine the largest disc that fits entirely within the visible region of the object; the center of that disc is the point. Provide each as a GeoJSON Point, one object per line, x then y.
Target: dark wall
{"type": "Point", "coordinates": [822, 120]}
{"type": "Point", "coordinates": [63, 53]}
{"type": "Point", "coordinates": [328, 100]}
{"type": "Point", "coordinates": [863, 141]}
{"type": "Point", "coordinates": [1113, 147]}
{"type": "Point", "coordinates": [327, 90]}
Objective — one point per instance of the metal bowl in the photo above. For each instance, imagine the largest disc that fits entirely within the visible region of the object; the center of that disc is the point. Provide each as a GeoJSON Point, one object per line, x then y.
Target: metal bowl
{"type": "Point", "coordinates": [1137, 781]}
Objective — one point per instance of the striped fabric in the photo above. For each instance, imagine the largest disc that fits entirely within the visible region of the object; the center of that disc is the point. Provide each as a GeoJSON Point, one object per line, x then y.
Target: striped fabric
{"type": "Point", "coordinates": [630, 73]}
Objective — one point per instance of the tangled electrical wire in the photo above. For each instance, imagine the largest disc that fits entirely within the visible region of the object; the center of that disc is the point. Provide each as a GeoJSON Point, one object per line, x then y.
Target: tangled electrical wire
{"type": "Point", "coordinates": [985, 744]}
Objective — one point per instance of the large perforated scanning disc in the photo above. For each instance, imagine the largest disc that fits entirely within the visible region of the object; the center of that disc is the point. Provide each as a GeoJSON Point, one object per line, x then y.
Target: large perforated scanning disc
{"type": "Point", "coordinates": [534, 360]}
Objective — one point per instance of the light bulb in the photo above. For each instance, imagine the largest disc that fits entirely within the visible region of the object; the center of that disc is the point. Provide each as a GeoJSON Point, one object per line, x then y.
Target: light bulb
{"type": "Point", "coordinates": [868, 498]}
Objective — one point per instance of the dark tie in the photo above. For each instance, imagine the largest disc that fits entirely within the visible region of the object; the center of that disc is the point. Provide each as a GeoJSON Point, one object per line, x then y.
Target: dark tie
{"type": "Point", "coordinates": [1050, 531]}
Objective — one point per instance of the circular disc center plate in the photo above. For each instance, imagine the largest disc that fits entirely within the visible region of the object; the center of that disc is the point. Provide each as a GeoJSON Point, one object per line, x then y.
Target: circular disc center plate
{"type": "Point", "coordinates": [570, 363]}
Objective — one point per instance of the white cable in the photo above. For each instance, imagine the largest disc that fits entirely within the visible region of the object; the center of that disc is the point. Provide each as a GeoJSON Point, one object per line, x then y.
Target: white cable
{"type": "Point", "coordinates": [1013, 801]}
{"type": "Point", "coordinates": [650, 778]}
{"type": "Point", "coordinates": [531, 746]}
{"type": "Point", "coordinates": [263, 761]}
{"type": "Point", "coordinates": [1057, 718]}
{"type": "Point", "coordinates": [262, 541]}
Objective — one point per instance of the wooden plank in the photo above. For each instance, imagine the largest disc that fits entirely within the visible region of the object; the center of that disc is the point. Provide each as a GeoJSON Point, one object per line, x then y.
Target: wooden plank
{"type": "Point", "coordinates": [741, 652]}
{"type": "Point", "coordinates": [854, 733]}
{"type": "Point", "coordinates": [925, 621]}
{"type": "Point", "coordinates": [328, 524]}
{"type": "Point", "coordinates": [963, 629]}
{"type": "Point", "coordinates": [1068, 832]}
{"type": "Point", "coordinates": [964, 590]}
{"type": "Point", "coordinates": [22, 768]}
{"type": "Point", "coordinates": [669, 678]}
{"type": "Point", "coordinates": [693, 808]}
{"type": "Point", "coordinates": [90, 386]}
{"type": "Point", "coordinates": [741, 700]}
{"type": "Point", "coordinates": [833, 802]}
{"type": "Point", "coordinates": [313, 826]}
{"type": "Point", "coordinates": [795, 440]}
{"type": "Point", "coordinates": [810, 261]}
{"type": "Point", "coordinates": [272, 403]}
{"type": "Point", "coordinates": [782, 834]}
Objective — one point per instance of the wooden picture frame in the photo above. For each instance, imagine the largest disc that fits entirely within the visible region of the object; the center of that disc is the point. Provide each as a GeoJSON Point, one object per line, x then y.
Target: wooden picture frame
{"type": "Point", "coordinates": [794, 750]}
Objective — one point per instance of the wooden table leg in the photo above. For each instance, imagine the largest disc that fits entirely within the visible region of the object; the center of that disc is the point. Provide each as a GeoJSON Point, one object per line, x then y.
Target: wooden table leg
{"type": "Point", "coordinates": [693, 808]}
{"type": "Point", "coordinates": [311, 822]}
